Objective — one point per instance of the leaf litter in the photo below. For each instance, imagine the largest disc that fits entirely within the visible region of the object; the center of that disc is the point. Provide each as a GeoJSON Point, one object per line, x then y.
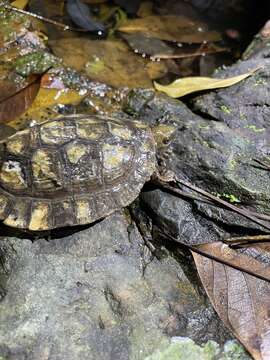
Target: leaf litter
{"type": "Point", "coordinates": [241, 298]}
{"type": "Point", "coordinates": [188, 85]}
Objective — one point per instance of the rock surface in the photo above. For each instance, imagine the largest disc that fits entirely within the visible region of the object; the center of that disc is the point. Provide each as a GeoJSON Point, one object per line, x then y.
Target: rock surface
{"type": "Point", "coordinates": [85, 296]}
{"type": "Point", "coordinates": [98, 293]}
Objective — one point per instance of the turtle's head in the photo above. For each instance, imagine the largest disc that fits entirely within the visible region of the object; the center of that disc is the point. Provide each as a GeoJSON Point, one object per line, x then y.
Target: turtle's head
{"type": "Point", "coordinates": [163, 134]}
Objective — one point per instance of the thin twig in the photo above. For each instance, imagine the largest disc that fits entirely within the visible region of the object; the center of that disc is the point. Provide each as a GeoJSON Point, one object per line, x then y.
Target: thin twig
{"type": "Point", "coordinates": [225, 204]}
{"type": "Point", "coordinates": [213, 257]}
{"type": "Point", "coordinates": [36, 16]}
{"type": "Point", "coordinates": [181, 193]}
{"type": "Point", "coordinates": [264, 164]}
{"type": "Point", "coordinates": [247, 239]}
{"type": "Point", "coordinates": [258, 215]}
{"type": "Point", "coordinates": [211, 199]}
{"type": "Point", "coordinates": [183, 56]}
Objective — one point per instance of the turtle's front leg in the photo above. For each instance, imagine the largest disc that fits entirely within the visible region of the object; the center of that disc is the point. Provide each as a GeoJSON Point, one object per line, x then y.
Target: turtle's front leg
{"type": "Point", "coordinates": [144, 226]}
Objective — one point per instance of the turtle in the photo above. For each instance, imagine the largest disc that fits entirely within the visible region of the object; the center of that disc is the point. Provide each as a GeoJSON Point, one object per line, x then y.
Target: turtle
{"type": "Point", "coordinates": [73, 170]}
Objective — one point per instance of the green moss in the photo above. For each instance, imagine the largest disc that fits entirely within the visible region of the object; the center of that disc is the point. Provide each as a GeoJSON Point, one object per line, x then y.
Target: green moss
{"type": "Point", "coordinates": [186, 349]}
{"type": "Point", "coordinates": [225, 109]}
{"type": "Point", "coordinates": [260, 82]}
{"type": "Point", "coordinates": [229, 197]}
{"type": "Point", "coordinates": [232, 164]}
{"type": "Point", "coordinates": [243, 116]}
{"type": "Point", "coordinates": [254, 128]}
{"type": "Point", "coordinates": [95, 66]}
{"type": "Point", "coordinates": [204, 126]}
{"type": "Point", "coordinates": [234, 351]}
{"type": "Point", "coordinates": [36, 62]}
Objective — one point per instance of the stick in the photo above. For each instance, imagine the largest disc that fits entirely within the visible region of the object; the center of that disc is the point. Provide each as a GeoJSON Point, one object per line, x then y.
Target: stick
{"type": "Point", "coordinates": [224, 203]}
{"type": "Point", "coordinates": [36, 16]}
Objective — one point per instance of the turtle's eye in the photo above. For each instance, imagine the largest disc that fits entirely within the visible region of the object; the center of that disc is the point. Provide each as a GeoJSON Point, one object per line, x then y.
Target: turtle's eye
{"type": "Point", "coordinates": [166, 141]}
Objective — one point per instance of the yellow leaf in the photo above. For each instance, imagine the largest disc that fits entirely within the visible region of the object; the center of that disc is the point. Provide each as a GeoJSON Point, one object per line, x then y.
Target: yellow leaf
{"type": "Point", "coordinates": [20, 4]}
{"type": "Point", "coordinates": [188, 85]}
{"type": "Point", "coordinates": [42, 107]}
{"type": "Point", "coordinates": [108, 61]}
{"type": "Point", "coordinates": [171, 28]}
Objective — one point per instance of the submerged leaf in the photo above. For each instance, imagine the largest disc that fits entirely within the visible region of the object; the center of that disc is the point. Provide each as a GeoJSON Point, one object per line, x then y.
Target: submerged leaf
{"type": "Point", "coordinates": [184, 86]}
{"type": "Point", "coordinates": [108, 61]}
{"type": "Point", "coordinates": [142, 44]}
{"type": "Point", "coordinates": [242, 301]}
{"type": "Point", "coordinates": [20, 4]}
{"type": "Point", "coordinates": [17, 103]}
{"type": "Point", "coordinates": [42, 108]}
{"type": "Point", "coordinates": [171, 28]}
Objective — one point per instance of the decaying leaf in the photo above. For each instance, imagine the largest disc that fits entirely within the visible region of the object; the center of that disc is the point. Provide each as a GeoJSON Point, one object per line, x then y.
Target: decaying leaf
{"type": "Point", "coordinates": [108, 61]}
{"type": "Point", "coordinates": [142, 44]}
{"type": "Point", "coordinates": [11, 30]}
{"type": "Point", "coordinates": [20, 4]}
{"type": "Point", "coordinates": [171, 28]}
{"type": "Point", "coordinates": [145, 9]}
{"type": "Point", "coordinates": [17, 102]}
{"type": "Point", "coordinates": [188, 85]}
{"type": "Point", "coordinates": [242, 301]}
{"type": "Point", "coordinates": [42, 108]}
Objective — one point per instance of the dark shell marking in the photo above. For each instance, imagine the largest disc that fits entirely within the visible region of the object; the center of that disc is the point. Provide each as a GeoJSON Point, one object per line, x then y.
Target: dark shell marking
{"type": "Point", "coordinates": [73, 170]}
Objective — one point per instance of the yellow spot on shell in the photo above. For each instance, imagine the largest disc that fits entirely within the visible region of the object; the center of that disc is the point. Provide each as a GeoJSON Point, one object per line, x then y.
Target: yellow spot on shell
{"type": "Point", "coordinates": [120, 131]}
{"type": "Point", "coordinates": [3, 204]}
{"type": "Point", "coordinates": [15, 146]}
{"type": "Point", "coordinates": [83, 211]}
{"type": "Point", "coordinates": [17, 218]}
{"type": "Point", "coordinates": [140, 125]}
{"type": "Point", "coordinates": [66, 205]}
{"type": "Point", "coordinates": [11, 174]}
{"type": "Point", "coordinates": [43, 170]}
{"type": "Point", "coordinates": [89, 129]}
{"type": "Point", "coordinates": [75, 152]}
{"type": "Point", "coordinates": [39, 217]}
{"type": "Point", "coordinates": [18, 142]}
{"type": "Point", "coordinates": [56, 132]}
{"type": "Point", "coordinates": [115, 155]}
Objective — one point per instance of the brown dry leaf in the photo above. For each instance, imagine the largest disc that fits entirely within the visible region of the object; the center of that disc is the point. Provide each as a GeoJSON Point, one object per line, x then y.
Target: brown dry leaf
{"type": "Point", "coordinates": [171, 28]}
{"type": "Point", "coordinates": [13, 104]}
{"type": "Point", "coordinates": [42, 107]}
{"type": "Point", "coordinates": [108, 61]}
{"type": "Point", "coordinates": [242, 301]}
{"type": "Point", "coordinates": [20, 4]}
{"type": "Point", "coordinates": [145, 9]}
{"type": "Point", "coordinates": [188, 85]}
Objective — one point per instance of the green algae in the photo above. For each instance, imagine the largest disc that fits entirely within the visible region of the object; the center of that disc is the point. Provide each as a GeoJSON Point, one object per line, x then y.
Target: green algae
{"type": "Point", "coordinates": [225, 109]}
{"type": "Point", "coordinates": [187, 349]}
{"type": "Point", "coordinates": [36, 62]}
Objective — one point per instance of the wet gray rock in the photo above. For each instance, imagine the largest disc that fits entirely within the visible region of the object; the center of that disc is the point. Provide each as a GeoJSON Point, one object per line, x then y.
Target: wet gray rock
{"type": "Point", "coordinates": [85, 296]}
{"type": "Point", "coordinates": [216, 150]}
{"type": "Point", "coordinates": [99, 293]}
